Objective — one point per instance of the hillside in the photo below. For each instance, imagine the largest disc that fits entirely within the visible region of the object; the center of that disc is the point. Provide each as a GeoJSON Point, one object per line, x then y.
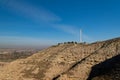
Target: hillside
{"type": "Point", "coordinates": [68, 62]}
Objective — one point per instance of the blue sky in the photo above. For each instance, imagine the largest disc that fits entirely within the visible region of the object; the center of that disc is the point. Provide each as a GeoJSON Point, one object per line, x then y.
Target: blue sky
{"type": "Point", "coordinates": [39, 23]}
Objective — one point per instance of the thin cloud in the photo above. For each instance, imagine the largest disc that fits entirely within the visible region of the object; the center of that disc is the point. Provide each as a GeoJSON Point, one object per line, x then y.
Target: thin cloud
{"type": "Point", "coordinates": [37, 14]}
{"type": "Point", "coordinates": [41, 15]}
{"type": "Point", "coordinates": [66, 28]}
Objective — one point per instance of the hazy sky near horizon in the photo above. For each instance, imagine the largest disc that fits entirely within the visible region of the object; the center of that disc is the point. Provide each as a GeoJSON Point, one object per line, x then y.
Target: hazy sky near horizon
{"type": "Point", "coordinates": [45, 22]}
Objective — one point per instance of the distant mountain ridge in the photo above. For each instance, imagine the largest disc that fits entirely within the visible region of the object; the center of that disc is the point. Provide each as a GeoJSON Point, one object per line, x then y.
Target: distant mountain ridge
{"type": "Point", "coordinates": [66, 62]}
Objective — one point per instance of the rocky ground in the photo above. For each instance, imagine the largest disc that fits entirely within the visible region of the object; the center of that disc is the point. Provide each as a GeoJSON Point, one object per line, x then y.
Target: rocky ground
{"type": "Point", "coordinates": [68, 62]}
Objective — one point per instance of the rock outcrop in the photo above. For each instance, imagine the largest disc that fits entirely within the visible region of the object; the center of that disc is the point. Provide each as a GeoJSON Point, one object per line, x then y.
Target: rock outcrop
{"type": "Point", "coordinates": [64, 62]}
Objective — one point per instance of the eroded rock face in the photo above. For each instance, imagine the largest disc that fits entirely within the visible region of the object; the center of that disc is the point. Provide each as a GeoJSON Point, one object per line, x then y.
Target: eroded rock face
{"type": "Point", "coordinates": [63, 62]}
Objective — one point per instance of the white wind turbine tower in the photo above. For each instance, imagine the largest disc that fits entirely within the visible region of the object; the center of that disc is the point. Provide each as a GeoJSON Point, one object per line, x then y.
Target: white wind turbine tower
{"type": "Point", "coordinates": [80, 35]}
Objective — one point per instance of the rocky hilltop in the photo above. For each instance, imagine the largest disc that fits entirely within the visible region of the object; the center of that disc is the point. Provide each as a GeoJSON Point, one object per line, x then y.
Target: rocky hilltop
{"type": "Point", "coordinates": [95, 61]}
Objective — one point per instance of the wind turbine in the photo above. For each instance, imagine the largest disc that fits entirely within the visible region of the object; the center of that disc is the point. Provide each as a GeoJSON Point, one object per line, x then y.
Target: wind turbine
{"type": "Point", "coordinates": [80, 35]}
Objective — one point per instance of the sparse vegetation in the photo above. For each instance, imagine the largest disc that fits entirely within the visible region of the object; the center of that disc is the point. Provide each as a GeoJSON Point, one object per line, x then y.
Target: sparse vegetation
{"type": "Point", "coordinates": [72, 42]}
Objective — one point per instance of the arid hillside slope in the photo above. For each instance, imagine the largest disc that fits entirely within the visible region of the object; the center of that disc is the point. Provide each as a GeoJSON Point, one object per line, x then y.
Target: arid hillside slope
{"type": "Point", "coordinates": [63, 62]}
